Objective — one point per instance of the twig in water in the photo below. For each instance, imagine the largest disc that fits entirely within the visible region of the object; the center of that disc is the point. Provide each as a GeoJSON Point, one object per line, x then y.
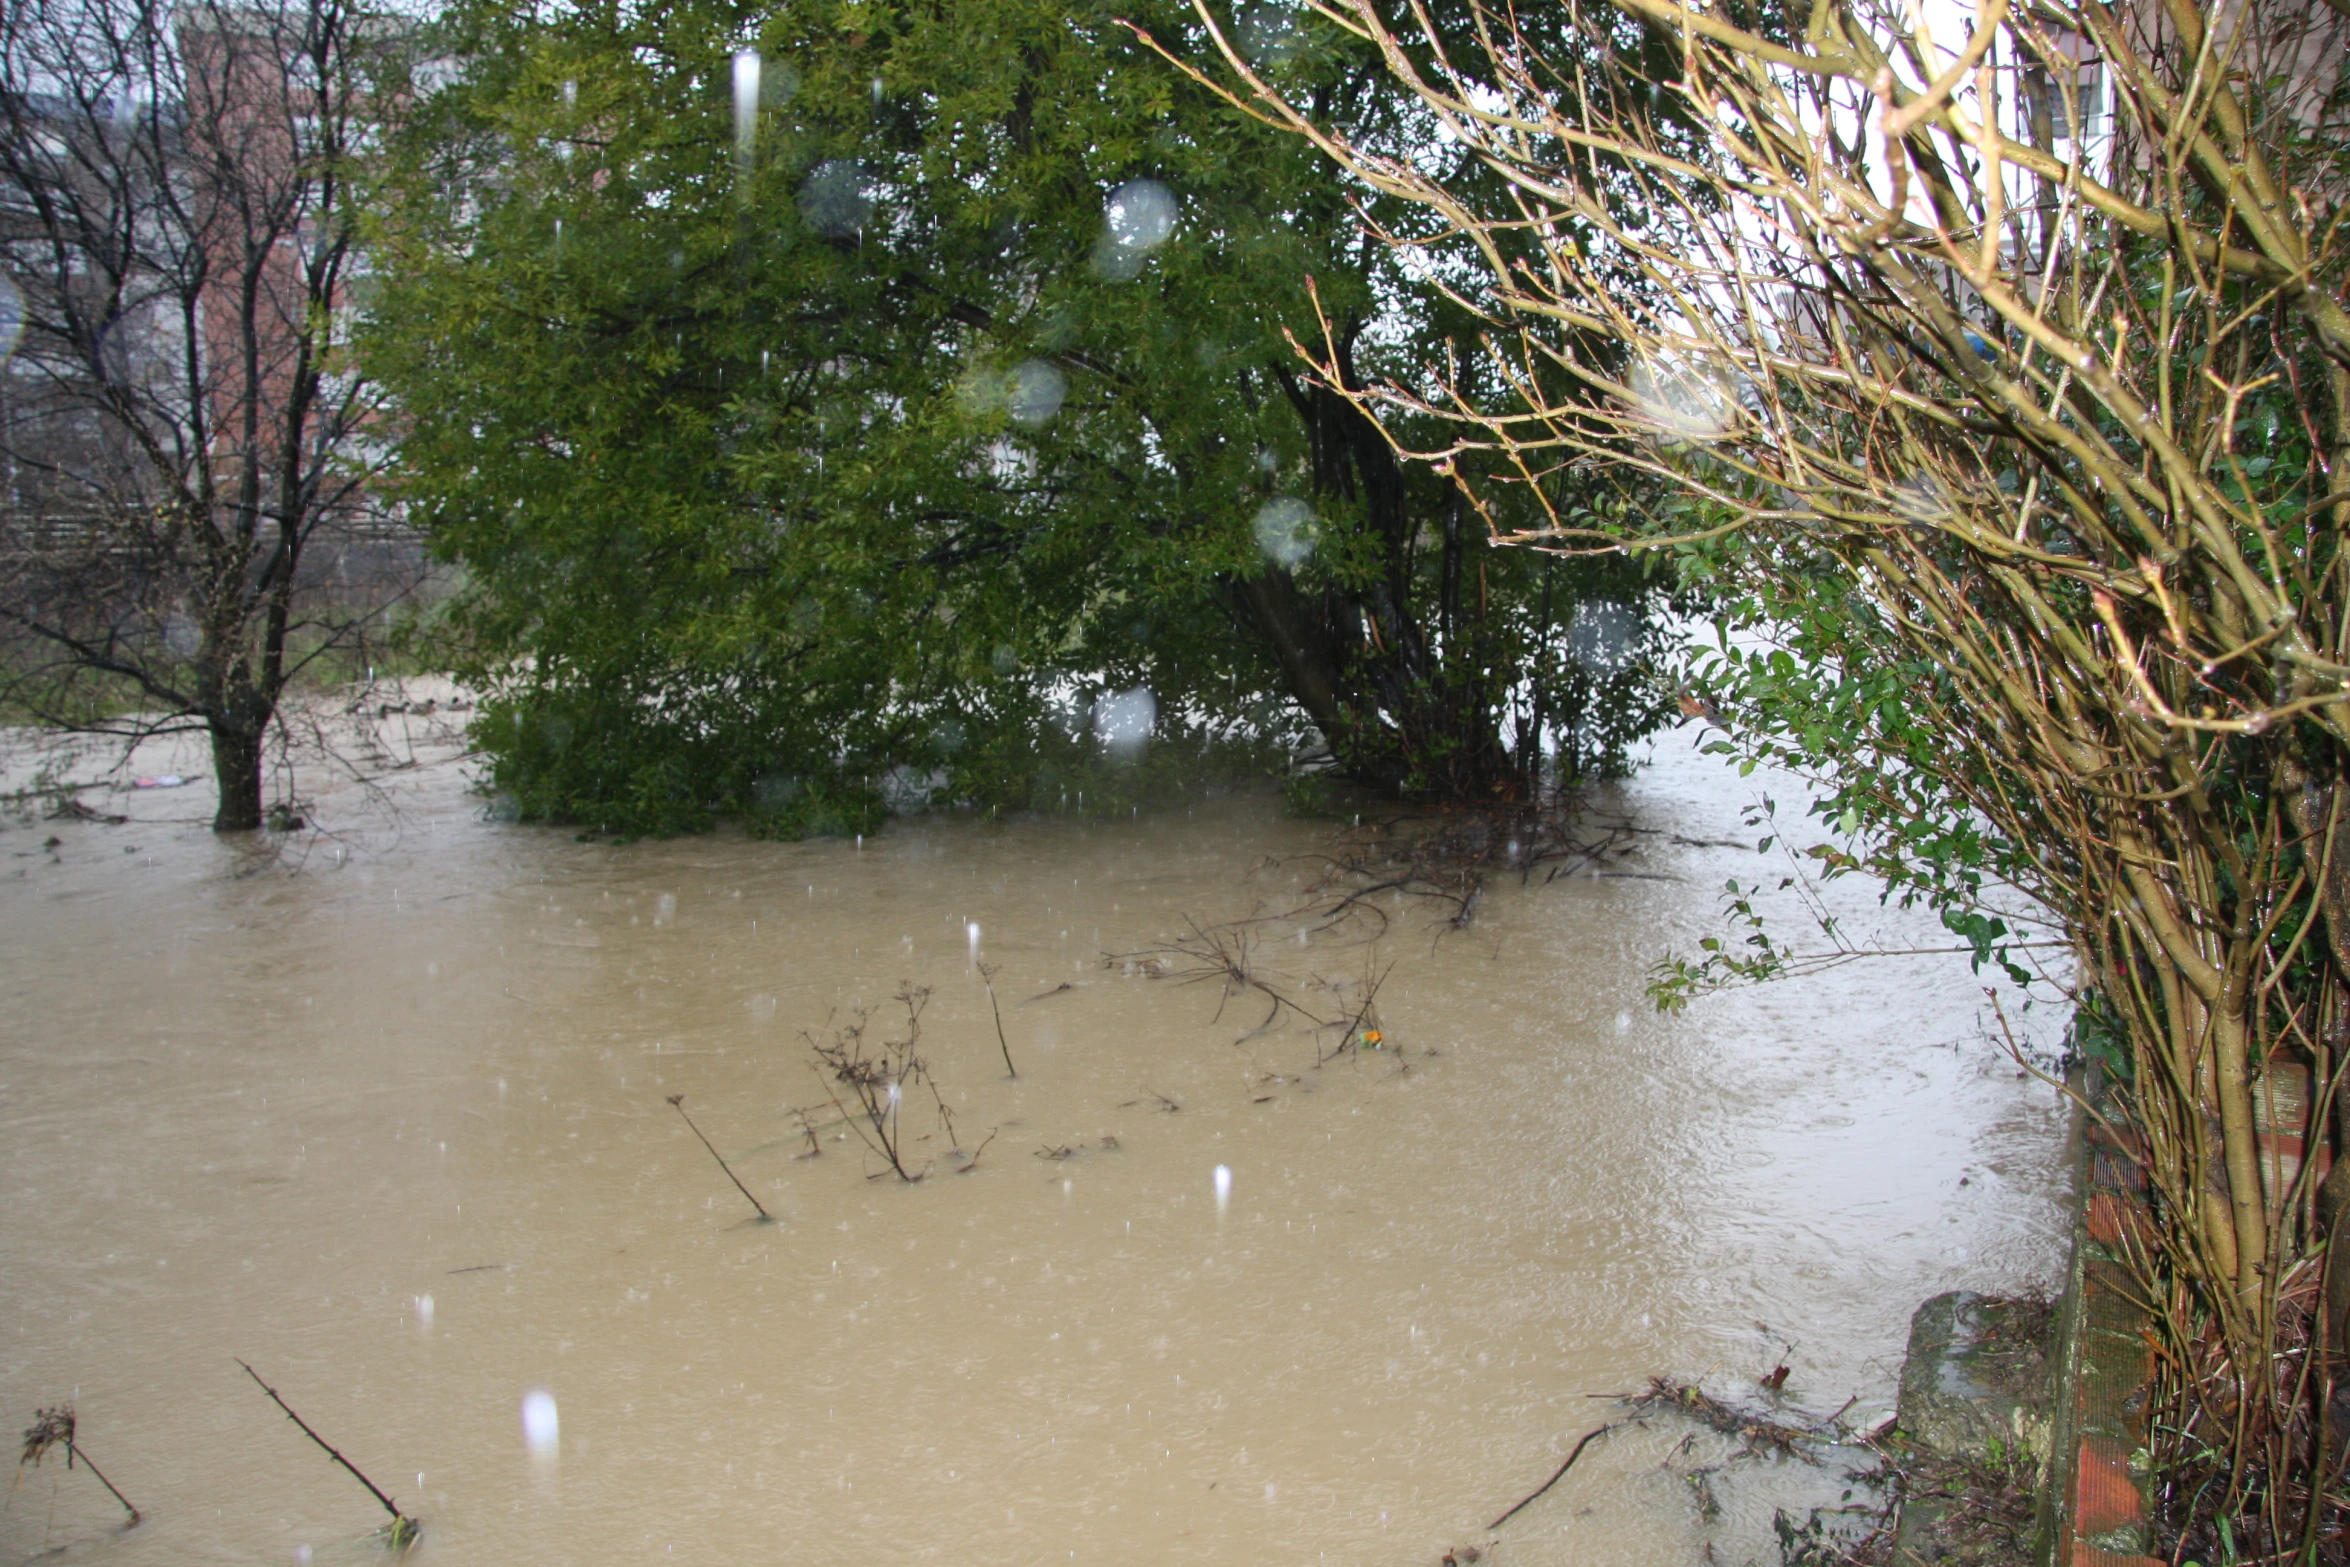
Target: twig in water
{"type": "Point", "coordinates": [677, 1103]}
{"type": "Point", "coordinates": [1757, 1431]}
{"type": "Point", "coordinates": [987, 973]}
{"type": "Point", "coordinates": [878, 1075]}
{"type": "Point", "coordinates": [54, 1427]}
{"type": "Point", "coordinates": [404, 1529]}
{"type": "Point", "coordinates": [1360, 1028]}
{"type": "Point", "coordinates": [1588, 1438]}
{"type": "Point", "coordinates": [972, 1163]}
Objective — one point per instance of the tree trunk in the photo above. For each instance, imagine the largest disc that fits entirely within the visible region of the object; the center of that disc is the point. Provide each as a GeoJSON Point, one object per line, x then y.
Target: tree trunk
{"type": "Point", "coordinates": [236, 767]}
{"type": "Point", "coordinates": [1300, 644]}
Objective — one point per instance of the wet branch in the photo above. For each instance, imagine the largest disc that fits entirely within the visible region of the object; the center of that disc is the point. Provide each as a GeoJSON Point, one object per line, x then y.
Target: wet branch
{"type": "Point", "coordinates": [677, 1103]}
{"type": "Point", "coordinates": [876, 1076]}
{"type": "Point", "coordinates": [987, 974]}
{"type": "Point", "coordinates": [404, 1529]}
{"type": "Point", "coordinates": [54, 1427]}
{"type": "Point", "coordinates": [1588, 1438]}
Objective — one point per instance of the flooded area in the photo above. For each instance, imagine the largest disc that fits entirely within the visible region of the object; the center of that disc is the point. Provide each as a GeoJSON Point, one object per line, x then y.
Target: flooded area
{"type": "Point", "coordinates": [386, 1115]}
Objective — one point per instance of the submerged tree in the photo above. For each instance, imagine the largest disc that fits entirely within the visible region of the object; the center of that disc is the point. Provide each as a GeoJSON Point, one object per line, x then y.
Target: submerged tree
{"type": "Point", "coordinates": [183, 431]}
{"type": "Point", "coordinates": [2003, 376]}
{"type": "Point", "coordinates": [814, 392]}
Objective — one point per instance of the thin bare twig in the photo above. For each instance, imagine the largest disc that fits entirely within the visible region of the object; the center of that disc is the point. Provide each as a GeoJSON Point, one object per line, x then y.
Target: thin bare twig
{"type": "Point", "coordinates": [1557, 1474]}
{"type": "Point", "coordinates": [404, 1529]}
{"type": "Point", "coordinates": [677, 1103]}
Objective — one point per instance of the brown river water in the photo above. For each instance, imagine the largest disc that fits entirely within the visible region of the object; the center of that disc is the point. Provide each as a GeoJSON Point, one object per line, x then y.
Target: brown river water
{"type": "Point", "coordinates": [383, 1113]}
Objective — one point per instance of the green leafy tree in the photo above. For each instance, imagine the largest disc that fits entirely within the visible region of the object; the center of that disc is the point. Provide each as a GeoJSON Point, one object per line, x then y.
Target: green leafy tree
{"type": "Point", "coordinates": [813, 394]}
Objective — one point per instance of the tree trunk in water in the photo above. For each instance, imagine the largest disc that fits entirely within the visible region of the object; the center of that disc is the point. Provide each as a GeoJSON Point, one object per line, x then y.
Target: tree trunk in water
{"type": "Point", "coordinates": [236, 767]}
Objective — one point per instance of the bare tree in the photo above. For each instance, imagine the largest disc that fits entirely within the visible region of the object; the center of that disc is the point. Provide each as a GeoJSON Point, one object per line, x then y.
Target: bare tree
{"type": "Point", "coordinates": [188, 449]}
{"type": "Point", "coordinates": [2001, 352]}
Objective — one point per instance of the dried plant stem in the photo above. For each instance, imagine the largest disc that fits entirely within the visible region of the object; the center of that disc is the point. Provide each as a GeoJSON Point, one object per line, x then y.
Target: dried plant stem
{"type": "Point", "coordinates": [75, 1450]}
{"type": "Point", "coordinates": [677, 1103]}
{"type": "Point", "coordinates": [1556, 1475]}
{"type": "Point", "coordinates": [404, 1529]}
{"type": "Point", "coordinates": [56, 1427]}
{"type": "Point", "coordinates": [877, 1076]}
{"type": "Point", "coordinates": [987, 973]}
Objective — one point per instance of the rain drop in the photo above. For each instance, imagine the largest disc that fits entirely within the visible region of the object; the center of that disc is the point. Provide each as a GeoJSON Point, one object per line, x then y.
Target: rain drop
{"type": "Point", "coordinates": [540, 1428]}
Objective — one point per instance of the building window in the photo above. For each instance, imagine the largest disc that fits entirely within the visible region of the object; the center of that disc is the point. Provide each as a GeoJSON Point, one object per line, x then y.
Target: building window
{"type": "Point", "coordinates": [2078, 93]}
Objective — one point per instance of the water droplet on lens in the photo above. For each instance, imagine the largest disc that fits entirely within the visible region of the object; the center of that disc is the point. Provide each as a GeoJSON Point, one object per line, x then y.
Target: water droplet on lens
{"type": "Point", "coordinates": [1124, 721]}
{"type": "Point", "coordinates": [837, 198]}
{"type": "Point", "coordinates": [1137, 219]}
{"type": "Point", "coordinates": [779, 83]}
{"type": "Point", "coordinates": [1922, 499]}
{"type": "Point", "coordinates": [1036, 392]}
{"type": "Point", "coordinates": [1600, 636]}
{"type": "Point", "coordinates": [1269, 34]}
{"type": "Point", "coordinates": [1681, 401]}
{"type": "Point", "coordinates": [1287, 531]}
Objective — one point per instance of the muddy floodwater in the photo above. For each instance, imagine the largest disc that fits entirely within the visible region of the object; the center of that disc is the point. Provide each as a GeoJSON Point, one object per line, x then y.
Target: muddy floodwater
{"type": "Point", "coordinates": [385, 1114]}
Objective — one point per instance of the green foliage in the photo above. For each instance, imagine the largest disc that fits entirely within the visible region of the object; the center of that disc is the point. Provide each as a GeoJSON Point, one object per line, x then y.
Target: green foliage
{"type": "Point", "coordinates": [864, 444]}
{"type": "Point", "coordinates": [2100, 1036]}
{"type": "Point", "coordinates": [1810, 680]}
{"type": "Point", "coordinates": [1814, 681]}
{"type": "Point", "coordinates": [1310, 792]}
